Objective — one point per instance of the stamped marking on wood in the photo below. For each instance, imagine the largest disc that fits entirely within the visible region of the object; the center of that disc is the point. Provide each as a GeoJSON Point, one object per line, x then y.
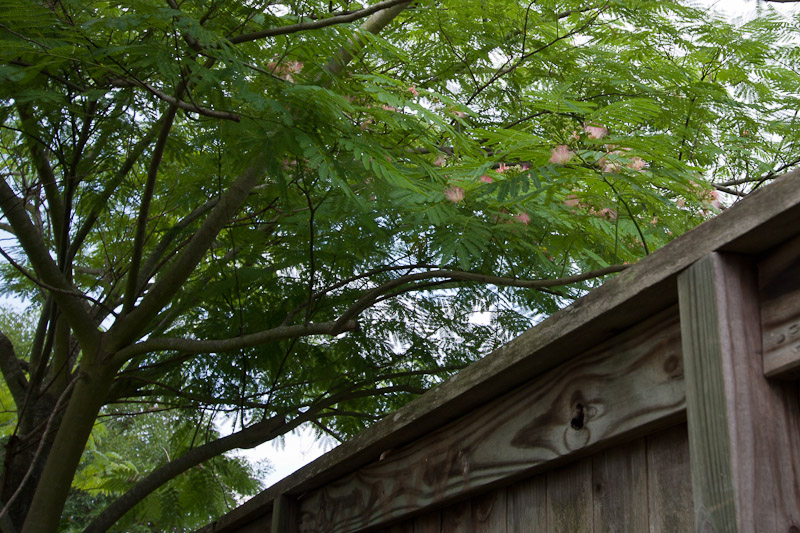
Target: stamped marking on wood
{"type": "Point", "coordinates": [779, 293]}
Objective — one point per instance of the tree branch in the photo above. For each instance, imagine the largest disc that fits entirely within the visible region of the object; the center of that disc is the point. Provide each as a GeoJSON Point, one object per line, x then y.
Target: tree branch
{"type": "Point", "coordinates": [171, 100]}
{"type": "Point", "coordinates": [728, 190]}
{"type": "Point", "coordinates": [349, 280]}
{"type": "Point", "coordinates": [12, 371]}
{"type": "Point", "coordinates": [108, 190]}
{"type": "Point", "coordinates": [132, 285]}
{"type": "Point", "coordinates": [127, 329]}
{"type": "Point", "coordinates": [236, 343]}
{"type": "Point", "coordinates": [46, 175]}
{"type": "Point", "coordinates": [321, 23]}
{"type": "Point", "coordinates": [502, 71]}
{"type": "Point", "coordinates": [73, 306]}
{"type": "Point", "coordinates": [246, 438]}
{"type": "Point", "coordinates": [369, 298]}
{"type": "Point", "coordinates": [374, 25]}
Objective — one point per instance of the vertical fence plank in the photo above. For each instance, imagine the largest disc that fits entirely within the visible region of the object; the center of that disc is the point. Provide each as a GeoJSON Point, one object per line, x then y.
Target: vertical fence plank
{"type": "Point", "coordinates": [669, 481]}
{"type": "Point", "coordinates": [526, 509]}
{"type": "Point", "coordinates": [569, 498]}
{"type": "Point", "coordinates": [457, 518]}
{"type": "Point", "coordinates": [284, 514]}
{"type": "Point", "coordinates": [743, 434]}
{"type": "Point", "coordinates": [489, 512]}
{"type": "Point", "coordinates": [428, 523]}
{"type": "Point", "coordinates": [619, 480]}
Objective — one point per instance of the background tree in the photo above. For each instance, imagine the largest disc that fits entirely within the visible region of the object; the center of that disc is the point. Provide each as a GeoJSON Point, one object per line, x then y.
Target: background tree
{"type": "Point", "coordinates": [288, 212]}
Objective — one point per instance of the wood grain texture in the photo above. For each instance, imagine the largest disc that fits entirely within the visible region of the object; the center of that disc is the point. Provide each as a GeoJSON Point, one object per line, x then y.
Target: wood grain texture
{"type": "Point", "coordinates": [569, 498]}
{"type": "Point", "coordinates": [669, 481]}
{"type": "Point", "coordinates": [619, 484]}
{"type": "Point", "coordinates": [406, 526]}
{"type": "Point", "coordinates": [763, 220]}
{"type": "Point", "coordinates": [428, 523]}
{"type": "Point", "coordinates": [779, 290]}
{"type": "Point", "coordinates": [284, 515]}
{"type": "Point", "coordinates": [457, 518]}
{"type": "Point", "coordinates": [624, 386]}
{"type": "Point", "coordinates": [259, 525]}
{"type": "Point", "coordinates": [526, 509]}
{"type": "Point", "coordinates": [489, 512]}
{"type": "Point", "coordinates": [744, 431]}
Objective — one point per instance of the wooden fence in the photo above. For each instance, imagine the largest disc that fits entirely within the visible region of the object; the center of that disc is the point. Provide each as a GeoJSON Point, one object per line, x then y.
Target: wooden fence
{"type": "Point", "coordinates": [667, 400]}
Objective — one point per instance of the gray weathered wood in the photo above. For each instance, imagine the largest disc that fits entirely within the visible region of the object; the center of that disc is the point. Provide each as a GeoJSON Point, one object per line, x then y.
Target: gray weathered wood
{"type": "Point", "coordinates": [527, 505]}
{"type": "Point", "coordinates": [569, 498]}
{"type": "Point", "coordinates": [766, 218]}
{"type": "Point", "coordinates": [457, 518]}
{"type": "Point", "coordinates": [779, 289]}
{"type": "Point", "coordinates": [403, 527]}
{"type": "Point", "coordinates": [628, 384]}
{"type": "Point", "coordinates": [428, 523]}
{"type": "Point", "coordinates": [744, 432]}
{"type": "Point", "coordinates": [489, 512]}
{"type": "Point", "coordinates": [261, 524]}
{"type": "Point", "coordinates": [619, 483]}
{"type": "Point", "coordinates": [669, 480]}
{"type": "Point", "coordinates": [284, 515]}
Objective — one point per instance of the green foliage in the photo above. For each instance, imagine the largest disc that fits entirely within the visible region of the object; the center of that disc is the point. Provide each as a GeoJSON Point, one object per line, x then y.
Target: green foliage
{"type": "Point", "coordinates": [511, 139]}
{"type": "Point", "coordinates": [124, 448]}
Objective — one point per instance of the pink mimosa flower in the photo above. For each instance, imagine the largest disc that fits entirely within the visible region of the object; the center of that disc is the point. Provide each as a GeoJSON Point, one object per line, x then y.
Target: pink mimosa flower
{"type": "Point", "coordinates": [486, 179]}
{"type": "Point", "coordinates": [439, 160]}
{"type": "Point", "coordinates": [500, 169]}
{"type": "Point", "coordinates": [523, 218]}
{"type": "Point", "coordinates": [454, 194]}
{"type": "Point", "coordinates": [715, 203]}
{"type": "Point", "coordinates": [294, 66]}
{"type": "Point", "coordinates": [561, 155]}
{"type": "Point", "coordinates": [572, 200]}
{"type": "Point", "coordinates": [637, 163]}
{"type": "Point", "coordinates": [595, 131]}
{"type": "Point", "coordinates": [606, 212]}
{"type": "Point", "coordinates": [413, 90]}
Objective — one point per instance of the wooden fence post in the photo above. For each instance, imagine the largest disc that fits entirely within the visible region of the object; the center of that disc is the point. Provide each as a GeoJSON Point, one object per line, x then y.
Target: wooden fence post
{"type": "Point", "coordinates": [744, 430]}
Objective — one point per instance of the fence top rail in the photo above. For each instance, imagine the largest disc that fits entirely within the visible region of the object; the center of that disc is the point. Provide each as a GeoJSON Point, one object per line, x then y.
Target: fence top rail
{"type": "Point", "coordinates": [754, 225]}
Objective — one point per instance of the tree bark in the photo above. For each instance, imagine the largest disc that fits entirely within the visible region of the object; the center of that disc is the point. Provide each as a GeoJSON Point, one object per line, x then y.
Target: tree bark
{"type": "Point", "coordinates": [53, 487]}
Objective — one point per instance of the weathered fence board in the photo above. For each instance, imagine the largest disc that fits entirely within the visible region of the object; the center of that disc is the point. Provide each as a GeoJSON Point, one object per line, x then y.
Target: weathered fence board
{"type": "Point", "coordinates": [641, 485]}
{"type": "Point", "coordinates": [569, 498]}
{"type": "Point", "coordinates": [489, 512]}
{"type": "Point", "coordinates": [526, 509]}
{"type": "Point", "coordinates": [619, 481]}
{"type": "Point", "coordinates": [430, 523]}
{"type": "Point", "coordinates": [626, 385]}
{"type": "Point", "coordinates": [744, 435]}
{"type": "Point", "coordinates": [779, 287]}
{"type": "Point", "coordinates": [669, 481]}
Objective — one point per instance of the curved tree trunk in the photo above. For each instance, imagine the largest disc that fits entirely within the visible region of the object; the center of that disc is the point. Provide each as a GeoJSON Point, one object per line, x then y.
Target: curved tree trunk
{"type": "Point", "coordinates": [90, 390]}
